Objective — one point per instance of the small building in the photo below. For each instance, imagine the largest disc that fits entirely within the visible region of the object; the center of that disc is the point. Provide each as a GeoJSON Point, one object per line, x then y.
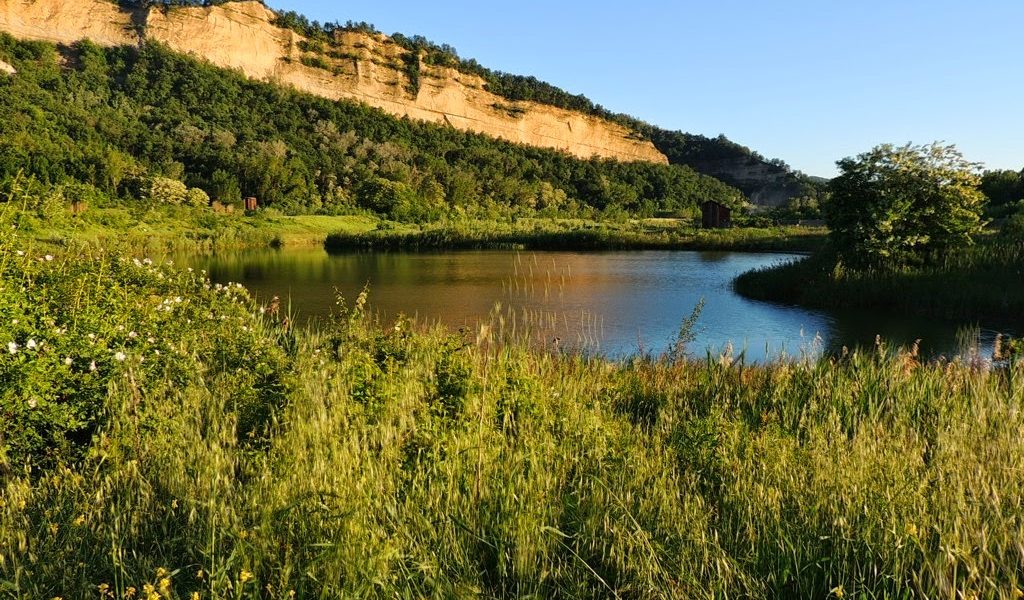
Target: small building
{"type": "Point", "coordinates": [715, 215]}
{"type": "Point", "coordinates": [251, 203]}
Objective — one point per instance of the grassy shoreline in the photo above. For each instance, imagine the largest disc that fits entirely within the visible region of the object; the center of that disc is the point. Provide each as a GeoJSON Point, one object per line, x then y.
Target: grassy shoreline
{"type": "Point", "coordinates": [207, 447]}
{"type": "Point", "coordinates": [985, 281]}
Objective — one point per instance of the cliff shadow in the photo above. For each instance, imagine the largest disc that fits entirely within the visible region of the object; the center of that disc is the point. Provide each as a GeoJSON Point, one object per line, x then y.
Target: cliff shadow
{"type": "Point", "coordinates": [138, 21]}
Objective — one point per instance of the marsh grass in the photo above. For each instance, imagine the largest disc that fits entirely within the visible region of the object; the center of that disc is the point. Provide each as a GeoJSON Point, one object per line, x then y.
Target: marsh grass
{"type": "Point", "coordinates": [982, 281]}
{"type": "Point", "coordinates": [404, 461]}
{"type": "Point", "coordinates": [567, 234]}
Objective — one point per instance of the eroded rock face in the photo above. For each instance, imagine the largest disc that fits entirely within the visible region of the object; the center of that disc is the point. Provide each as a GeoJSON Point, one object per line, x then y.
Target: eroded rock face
{"type": "Point", "coordinates": [6, 69]}
{"type": "Point", "coordinates": [66, 22]}
{"type": "Point", "coordinates": [367, 68]}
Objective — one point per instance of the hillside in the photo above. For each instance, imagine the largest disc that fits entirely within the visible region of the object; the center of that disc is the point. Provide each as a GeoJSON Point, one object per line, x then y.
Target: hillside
{"type": "Point", "coordinates": [364, 67]}
{"type": "Point", "coordinates": [122, 120]}
{"type": "Point", "coordinates": [406, 77]}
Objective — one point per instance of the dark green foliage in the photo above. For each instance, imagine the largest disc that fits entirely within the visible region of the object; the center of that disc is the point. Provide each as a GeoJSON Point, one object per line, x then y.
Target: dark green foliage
{"type": "Point", "coordinates": [113, 114]}
{"type": "Point", "coordinates": [1005, 192]}
{"type": "Point", "coordinates": [453, 376]}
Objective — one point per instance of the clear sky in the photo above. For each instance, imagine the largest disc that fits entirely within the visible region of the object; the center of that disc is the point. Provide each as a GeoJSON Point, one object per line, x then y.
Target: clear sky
{"type": "Point", "coordinates": [807, 81]}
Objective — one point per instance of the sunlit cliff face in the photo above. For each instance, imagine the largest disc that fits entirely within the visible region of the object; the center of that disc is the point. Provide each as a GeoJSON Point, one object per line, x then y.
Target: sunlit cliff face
{"type": "Point", "coordinates": [241, 35]}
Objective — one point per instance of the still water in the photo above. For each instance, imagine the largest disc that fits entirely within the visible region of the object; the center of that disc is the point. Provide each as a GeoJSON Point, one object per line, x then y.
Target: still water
{"type": "Point", "coordinates": [615, 303]}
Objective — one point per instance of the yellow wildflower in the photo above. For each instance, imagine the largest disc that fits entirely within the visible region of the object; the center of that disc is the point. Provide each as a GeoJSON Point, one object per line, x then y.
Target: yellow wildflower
{"type": "Point", "coordinates": [244, 576]}
{"type": "Point", "coordinates": [80, 521]}
{"type": "Point", "coordinates": [130, 592]}
{"type": "Point", "coordinates": [165, 586]}
{"type": "Point", "coordinates": [194, 596]}
{"type": "Point", "coordinates": [161, 572]}
{"type": "Point", "coordinates": [838, 591]}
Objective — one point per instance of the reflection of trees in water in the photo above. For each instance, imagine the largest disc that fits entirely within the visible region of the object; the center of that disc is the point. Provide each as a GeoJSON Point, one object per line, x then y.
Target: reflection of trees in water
{"type": "Point", "coordinates": [714, 257]}
{"type": "Point", "coordinates": [937, 337]}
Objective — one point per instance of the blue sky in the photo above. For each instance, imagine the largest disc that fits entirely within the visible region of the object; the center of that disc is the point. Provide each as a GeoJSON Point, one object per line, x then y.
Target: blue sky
{"type": "Point", "coordinates": [806, 81]}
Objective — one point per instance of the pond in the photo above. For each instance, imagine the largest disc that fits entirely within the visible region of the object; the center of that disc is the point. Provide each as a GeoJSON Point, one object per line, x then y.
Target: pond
{"type": "Point", "coordinates": [614, 303]}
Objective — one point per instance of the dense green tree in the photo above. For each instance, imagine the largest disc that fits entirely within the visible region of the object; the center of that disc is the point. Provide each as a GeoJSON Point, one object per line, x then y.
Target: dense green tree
{"type": "Point", "coordinates": [895, 205]}
{"type": "Point", "coordinates": [1004, 189]}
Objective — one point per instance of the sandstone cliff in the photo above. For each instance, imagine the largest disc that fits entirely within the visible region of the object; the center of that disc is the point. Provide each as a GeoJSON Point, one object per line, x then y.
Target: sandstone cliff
{"type": "Point", "coordinates": [367, 68]}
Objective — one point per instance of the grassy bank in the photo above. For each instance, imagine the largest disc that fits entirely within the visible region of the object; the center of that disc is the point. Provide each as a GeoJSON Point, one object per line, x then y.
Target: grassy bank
{"type": "Point", "coordinates": [565, 234]}
{"type": "Point", "coordinates": [165, 438]}
{"type": "Point", "coordinates": [166, 228]}
{"type": "Point", "coordinates": [985, 281]}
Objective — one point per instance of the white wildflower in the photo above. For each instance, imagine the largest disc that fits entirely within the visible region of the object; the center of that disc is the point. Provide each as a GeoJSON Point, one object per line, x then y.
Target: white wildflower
{"type": "Point", "coordinates": [92, 366]}
{"type": "Point", "coordinates": [48, 257]}
{"type": "Point", "coordinates": [31, 344]}
{"type": "Point", "coordinates": [21, 253]}
{"type": "Point", "coordinates": [32, 403]}
{"type": "Point", "coordinates": [12, 347]}
{"type": "Point", "coordinates": [68, 361]}
{"type": "Point", "coordinates": [132, 334]}
{"type": "Point", "coordinates": [120, 356]}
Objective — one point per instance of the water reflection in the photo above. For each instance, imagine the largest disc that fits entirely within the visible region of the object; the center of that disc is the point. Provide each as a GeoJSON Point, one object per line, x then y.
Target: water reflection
{"type": "Point", "coordinates": [613, 302]}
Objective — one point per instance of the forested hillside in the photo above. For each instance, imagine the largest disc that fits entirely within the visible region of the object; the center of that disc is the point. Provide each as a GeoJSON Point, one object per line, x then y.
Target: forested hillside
{"type": "Point", "coordinates": [114, 118]}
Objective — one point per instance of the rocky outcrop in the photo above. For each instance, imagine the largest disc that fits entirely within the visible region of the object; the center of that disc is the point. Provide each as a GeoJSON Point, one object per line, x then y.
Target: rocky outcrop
{"type": "Point", "coordinates": [764, 183]}
{"type": "Point", "coordinates": [368, 68]}
{"type": "Point", "coordinates": [7, 69]}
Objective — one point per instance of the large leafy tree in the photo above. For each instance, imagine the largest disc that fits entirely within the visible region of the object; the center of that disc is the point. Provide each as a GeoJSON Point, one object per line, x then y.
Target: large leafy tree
{"type": "Point", "coordinates": [898, 205]}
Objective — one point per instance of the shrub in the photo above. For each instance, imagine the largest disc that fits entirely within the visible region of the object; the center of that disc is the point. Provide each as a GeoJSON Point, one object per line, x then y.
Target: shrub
{"type": "Point", "coordinates": [163, 190]}
{"type": "Point", "coordinates": [197, 197]}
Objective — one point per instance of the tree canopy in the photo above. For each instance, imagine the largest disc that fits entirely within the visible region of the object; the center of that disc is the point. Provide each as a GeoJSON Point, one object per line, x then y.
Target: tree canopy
{"type": "Point", "coordinates": [897, 205]}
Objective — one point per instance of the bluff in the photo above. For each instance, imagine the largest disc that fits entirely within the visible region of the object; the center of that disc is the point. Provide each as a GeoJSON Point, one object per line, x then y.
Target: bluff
{"type": "Point", "coordinates": [369, 68]}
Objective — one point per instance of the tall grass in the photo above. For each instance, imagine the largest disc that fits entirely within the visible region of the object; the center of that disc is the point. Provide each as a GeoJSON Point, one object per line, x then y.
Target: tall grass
{"type": "Point", "coordinates": [404, 462]}
{"type": "Point", "coordinates": [549, 234]}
